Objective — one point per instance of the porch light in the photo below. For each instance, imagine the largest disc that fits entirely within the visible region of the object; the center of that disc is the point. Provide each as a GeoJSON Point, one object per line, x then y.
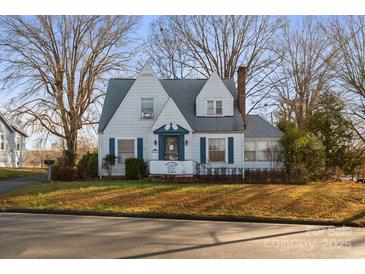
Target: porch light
{"type": "Point", "coordinates": [155, 142]}
{"type": "Point", "coordinates": [186, 142]}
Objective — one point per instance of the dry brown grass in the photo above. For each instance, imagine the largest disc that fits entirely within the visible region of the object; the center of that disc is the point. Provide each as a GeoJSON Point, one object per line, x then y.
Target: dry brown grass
{"type": "Point", "coordinates": [320, 201]}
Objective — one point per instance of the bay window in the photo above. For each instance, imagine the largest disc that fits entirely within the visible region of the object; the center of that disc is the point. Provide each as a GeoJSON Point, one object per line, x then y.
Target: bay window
{"type": "Point", "coordinates": [217, 149]}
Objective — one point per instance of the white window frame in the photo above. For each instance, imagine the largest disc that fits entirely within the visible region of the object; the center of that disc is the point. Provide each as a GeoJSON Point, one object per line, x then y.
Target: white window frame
{"type": "Point", "coordinates": [226, 150]}
{"type": "Point", "coordinates": [2, 135]}
{"type": "Point", "coordinates": [261, 151]}
{"type": "Point", "coordinates": [255, 150]}
{"type": "Point", "coordinates": [140, 108]}
{"type": "Point", "coordinates": [117, 147]}
{"type": "Point", "coordinates": [214, 100]}
{"type": "Point", "coordinates": [256, 147]}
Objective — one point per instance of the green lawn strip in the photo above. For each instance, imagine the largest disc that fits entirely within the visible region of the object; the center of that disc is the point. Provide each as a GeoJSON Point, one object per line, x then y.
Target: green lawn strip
{"type": "Point", "coordinates": [320, 201]}
{"type": "Point", "coordinates": [11, 173]}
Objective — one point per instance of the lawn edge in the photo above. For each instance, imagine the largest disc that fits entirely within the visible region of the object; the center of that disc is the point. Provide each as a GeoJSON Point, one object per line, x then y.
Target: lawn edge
{"type": "Point", "coordinates": [249, 219]}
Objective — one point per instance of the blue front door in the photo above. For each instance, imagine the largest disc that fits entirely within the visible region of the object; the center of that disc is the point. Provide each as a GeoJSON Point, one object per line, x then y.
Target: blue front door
{"type": "Point", "coordinates": [171, 143]}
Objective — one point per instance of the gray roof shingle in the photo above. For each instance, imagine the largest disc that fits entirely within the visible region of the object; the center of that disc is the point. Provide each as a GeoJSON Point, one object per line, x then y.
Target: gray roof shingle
{"type": "Point", "coordinates": [184, 92]}
{"type": "Point", "coordinates": [258, 127]}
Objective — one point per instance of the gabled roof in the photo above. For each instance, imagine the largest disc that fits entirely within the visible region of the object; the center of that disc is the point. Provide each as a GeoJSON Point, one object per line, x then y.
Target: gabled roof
{"type": "Point", "coordinates": [115, 93]}
{"type": "Point", "coordinates": [211, 79]}
{"type": "Point", "coordinates": [11, 126]}
{"type": "Point", "coordinates": [184, 93]}
{"type": "Point", "coordinates": [258, 127]}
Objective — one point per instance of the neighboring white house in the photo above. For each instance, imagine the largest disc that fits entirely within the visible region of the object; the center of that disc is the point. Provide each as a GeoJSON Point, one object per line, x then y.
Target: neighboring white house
{"type": "Point", "coordinates": [12, 144]}
{"type": "Point", "coordinates": [182, 125]}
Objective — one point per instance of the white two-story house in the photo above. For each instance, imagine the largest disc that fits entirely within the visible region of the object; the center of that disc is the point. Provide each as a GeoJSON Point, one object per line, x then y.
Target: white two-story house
{"type": "Point", "coordinates": [180, 126]}
{"type": "Point", "coordinates": [12, 144]}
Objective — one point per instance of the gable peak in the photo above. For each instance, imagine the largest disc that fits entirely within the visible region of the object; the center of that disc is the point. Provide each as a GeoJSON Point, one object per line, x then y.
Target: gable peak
{"type": "Point", "coordinates": [214, 75]}
{"type": "Point", "coordinates": [147, 71]}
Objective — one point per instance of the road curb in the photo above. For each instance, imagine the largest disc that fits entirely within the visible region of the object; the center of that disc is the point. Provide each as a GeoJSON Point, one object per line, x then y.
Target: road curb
{"type": "Point", "coordinates": [249, 219]}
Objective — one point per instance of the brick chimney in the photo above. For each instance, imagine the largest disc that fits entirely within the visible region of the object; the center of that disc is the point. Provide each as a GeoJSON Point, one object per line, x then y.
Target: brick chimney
{"type": "Point", "coordinates": [241, 91]}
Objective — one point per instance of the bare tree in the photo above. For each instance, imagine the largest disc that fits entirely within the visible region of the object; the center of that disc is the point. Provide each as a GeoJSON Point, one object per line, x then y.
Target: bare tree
{"type": "Point", "coordinates": [193, 46]}
{"type": "Point", "coordinates": [165, 50]}
{"type": "Point", "coordinates": [348, 36]}
{"type": "Point", "coordinates": [304, 72]}
{"type": "Point", "coordinates": [57, 65]}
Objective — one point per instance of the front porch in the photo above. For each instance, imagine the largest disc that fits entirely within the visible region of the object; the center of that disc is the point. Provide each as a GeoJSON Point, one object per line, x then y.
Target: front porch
{"type": "Point", "coordinates": [191, 168]}
{"type": "Point", "coordinates": [167, 167]}
{"type": "Point", "coordinates": [181, 171]}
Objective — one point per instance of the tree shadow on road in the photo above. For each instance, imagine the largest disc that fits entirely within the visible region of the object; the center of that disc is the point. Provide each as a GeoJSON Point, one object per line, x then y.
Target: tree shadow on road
{"type": "Point", "coordinates": [217, 243]}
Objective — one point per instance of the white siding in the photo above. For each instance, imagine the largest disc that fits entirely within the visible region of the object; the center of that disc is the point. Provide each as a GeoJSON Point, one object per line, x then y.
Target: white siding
{"type": "Point", "coordinates": [126, 121]}
{"type": "Point", "coordinates": [170, 114]}
{"type": "Point", "coordinates": [214, 89]}
{"type": "Point", "coordinates": [10, 157]}
{"type": "Point", "coordinates": [237, 147]}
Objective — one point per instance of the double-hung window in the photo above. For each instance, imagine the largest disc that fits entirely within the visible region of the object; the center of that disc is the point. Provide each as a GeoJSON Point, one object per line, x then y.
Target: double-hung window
{"type": "Point", "coordinates": [147, 108]}
{"type": "Point", "coordinates": [215, 107]}
{"type": "Point", "coordinates": [263, 151]}
{"type": "Point", "coordinates": [217, 149]}
{"type": "Point", "coordinates": [2, 141]}
{"type": "Point", "coordinates": [126, 149]}
{"type": "Point", "coordinates": [250, 150]}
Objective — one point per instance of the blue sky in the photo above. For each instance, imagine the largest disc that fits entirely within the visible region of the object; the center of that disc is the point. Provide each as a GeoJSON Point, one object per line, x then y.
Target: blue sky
{"type": "Point", "coordinates": [146, 21]}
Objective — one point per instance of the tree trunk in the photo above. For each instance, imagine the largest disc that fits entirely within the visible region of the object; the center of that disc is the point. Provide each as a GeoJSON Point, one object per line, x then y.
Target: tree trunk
{"type": "Point", "coordinates": [70, 153]}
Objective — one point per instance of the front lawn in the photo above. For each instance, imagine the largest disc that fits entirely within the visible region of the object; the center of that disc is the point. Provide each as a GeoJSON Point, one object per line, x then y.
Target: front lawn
{"type": "Point", "coordinates": [322, 201]}
{"type": "Point", "coordinates": [10, 173]}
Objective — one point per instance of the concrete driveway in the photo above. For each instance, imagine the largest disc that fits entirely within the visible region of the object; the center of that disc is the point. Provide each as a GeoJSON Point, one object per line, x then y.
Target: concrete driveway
{"type": "Point", "coordinates": [17, 182]}
{"type": "Point", "coordinates": [62, 236]}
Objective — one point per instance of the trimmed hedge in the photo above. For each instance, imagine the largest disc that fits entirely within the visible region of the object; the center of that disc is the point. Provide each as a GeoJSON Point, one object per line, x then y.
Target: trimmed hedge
{"type": "Point", "coordinates": [87, 167]}
{"type": "Point", "coordinates": [61, 171]}
{"type": "Point", "coordinates": [135, 168]}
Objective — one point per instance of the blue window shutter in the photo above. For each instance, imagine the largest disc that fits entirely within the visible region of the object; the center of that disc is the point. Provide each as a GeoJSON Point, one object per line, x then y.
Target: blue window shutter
{"type": "Point", "coordinates": [181, 147]}
{"type": "Point", "coordinates": [203, 150]}
{"type": "Point", "coordinates": [230, 150]}
{"type": "Point", "coordinates": [112, 147]}
{"type": "Point", "coordinates": [140, 148]}
{"type": "Point", "coordinates": [161, 147]}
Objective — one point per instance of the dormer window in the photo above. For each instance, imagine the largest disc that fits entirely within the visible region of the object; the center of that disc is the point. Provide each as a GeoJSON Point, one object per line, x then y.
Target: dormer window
{"type": "Point", "coordinates": [147, 108]}
{"type": "Point", "coordinates": [215, 107]}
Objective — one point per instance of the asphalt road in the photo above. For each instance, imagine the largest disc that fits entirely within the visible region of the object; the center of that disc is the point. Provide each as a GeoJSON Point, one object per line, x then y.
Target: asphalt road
{"type": "Point", "coordinates": [22, 181]}
{"type": "Point", "coordinates": [62, 236]}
